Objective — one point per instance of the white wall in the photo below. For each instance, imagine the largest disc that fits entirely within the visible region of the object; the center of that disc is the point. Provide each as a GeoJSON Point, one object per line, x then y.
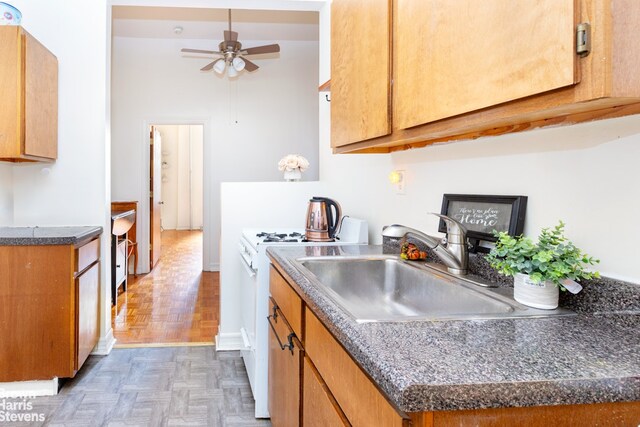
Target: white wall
{"type": "Point", "coordinates": [250, 123]}
{"type": "Point", "coordinates": [6, 194]}
{"type": "Point", "coordinates": [239, 202]}
{"type": "Point", "coordinates": [75, 189]}
{"type": "Point", "coordinates": [182, 176]}
{"type": "Point", "coordinates": [587, 175]}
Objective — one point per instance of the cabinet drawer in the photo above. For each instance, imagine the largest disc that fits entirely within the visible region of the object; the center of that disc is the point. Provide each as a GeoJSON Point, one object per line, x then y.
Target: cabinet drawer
{"type": "Point", "coordinates": [319, 408]}
{"type": "Point", "coordinates": [361, 401]}
{"type": "Point", "coordinates": [87, 255]}
{"type": "Point", "coordinates": [287, 300]}
{"type": "Point", "coordinates": [285, 366]}
{"type": "Point", "coordinates": [87, 313]}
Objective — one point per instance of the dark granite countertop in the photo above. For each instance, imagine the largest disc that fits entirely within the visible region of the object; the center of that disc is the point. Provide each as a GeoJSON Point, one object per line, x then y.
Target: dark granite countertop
{"type": "Point", "coordinates": [447, 365]}
{"type": "Point", "coordinates": [34, 236]}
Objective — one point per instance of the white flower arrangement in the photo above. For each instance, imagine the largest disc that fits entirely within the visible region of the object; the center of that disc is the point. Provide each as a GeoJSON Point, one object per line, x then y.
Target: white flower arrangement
{"type": "Point", "coordinates": [292, 162]}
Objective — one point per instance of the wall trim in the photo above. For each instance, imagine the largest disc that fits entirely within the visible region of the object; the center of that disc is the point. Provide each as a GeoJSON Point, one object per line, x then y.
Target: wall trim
{"type": "Point", "coordinates": [229, 341]}
{"type": "Point", "coordinates": [105, 344]}
{"type": "Point", "coordinates": [215, 266]}
{"type": "Point", "coordinates": [29, 388]}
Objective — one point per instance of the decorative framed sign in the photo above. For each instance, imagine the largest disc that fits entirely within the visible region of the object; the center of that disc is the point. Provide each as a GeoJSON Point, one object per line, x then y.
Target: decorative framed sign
{"type": "Point", "coordinates": [481, 215]}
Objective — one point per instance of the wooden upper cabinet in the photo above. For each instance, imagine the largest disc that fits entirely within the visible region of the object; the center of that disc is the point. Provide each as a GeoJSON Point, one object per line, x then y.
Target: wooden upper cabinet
{"type": "Point", "coordinates": [360, 70]}
{"type": "Point", "coordinates": [465, 69]}
{"type": "Point", "coordinates": [453, 57]}
{"type": "Point", "coordinates": [29, 106]}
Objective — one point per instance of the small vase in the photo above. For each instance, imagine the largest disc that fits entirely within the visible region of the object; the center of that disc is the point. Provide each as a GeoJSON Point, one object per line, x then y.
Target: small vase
{"type": "Point", "coordinates": [542, 295]}
{"type": "Point", "coordinates": [294, 175]}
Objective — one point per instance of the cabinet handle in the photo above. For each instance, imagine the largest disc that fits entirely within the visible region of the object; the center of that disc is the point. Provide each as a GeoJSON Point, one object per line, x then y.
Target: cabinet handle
{"type": "Point", "coordinates": [289, 345]}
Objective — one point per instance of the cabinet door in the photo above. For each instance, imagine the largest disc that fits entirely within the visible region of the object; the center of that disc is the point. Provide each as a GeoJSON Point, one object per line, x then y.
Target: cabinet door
{"type": "Point", "coordinates": [319, 408]}
{"type": "Point", "coordinates": [285, 364]}
{"type": "Point", "coordinates": [456, 56]}
{"type": "Point", "coordinates": [360, 70]}
{"type": "Point", "coordinates": [349, 385]}
{"type": "Point", "coordinates": [87, 313]}
{"type": "Point", "coordinates": [11, 84]}
{"type": "Point", "coordinates": [41, 100]}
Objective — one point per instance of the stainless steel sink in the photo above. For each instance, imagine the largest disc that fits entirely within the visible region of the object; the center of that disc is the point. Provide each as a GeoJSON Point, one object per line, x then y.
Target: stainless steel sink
{"type": "Point", "coordinates": [387, 288]}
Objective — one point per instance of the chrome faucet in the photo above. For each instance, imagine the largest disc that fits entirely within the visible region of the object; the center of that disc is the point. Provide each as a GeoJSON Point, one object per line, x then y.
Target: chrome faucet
{"type": "Point", "coordinates": [452, 250]}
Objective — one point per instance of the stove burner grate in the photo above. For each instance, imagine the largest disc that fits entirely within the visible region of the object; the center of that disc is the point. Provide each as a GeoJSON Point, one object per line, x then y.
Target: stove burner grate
{"type": "Point", "coordinates": [294, 237]}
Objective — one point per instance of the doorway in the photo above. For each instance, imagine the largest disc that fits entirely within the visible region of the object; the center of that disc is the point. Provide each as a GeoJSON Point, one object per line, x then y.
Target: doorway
{"type": "Point", "coordinates": [176, 302]}
{"type": "Point", "coordinates": [176, 183]}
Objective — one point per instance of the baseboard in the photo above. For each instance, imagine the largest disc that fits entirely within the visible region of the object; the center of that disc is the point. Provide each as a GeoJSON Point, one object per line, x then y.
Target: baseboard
{"type": "Point", "coordinates": [229, 341]}
{"type": "Point", "coordinates": [169, 344]}
{"type": "Point", "coordinates": [29, 388]}
{"type": "Point", "coordinates": [105, 344]}
{"type": "Point", "coordinates": [214, 266]}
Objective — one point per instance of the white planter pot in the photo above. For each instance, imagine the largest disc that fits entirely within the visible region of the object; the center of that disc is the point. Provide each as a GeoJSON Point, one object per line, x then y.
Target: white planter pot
{"type": "Point", "coordinates": [542, 295]}
{"type": "Point", "coordinates": [294, 175]}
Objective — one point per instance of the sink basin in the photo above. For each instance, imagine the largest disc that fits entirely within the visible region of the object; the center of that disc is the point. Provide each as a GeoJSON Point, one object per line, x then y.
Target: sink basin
{"type": "Point", "coordinates": [387, 288]}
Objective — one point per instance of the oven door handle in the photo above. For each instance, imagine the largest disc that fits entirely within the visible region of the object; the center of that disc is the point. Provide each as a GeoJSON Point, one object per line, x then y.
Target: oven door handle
{"type": "Point", "coordinates": [247, 265]}
{"type": "Point", "coordinates": [250, 271]}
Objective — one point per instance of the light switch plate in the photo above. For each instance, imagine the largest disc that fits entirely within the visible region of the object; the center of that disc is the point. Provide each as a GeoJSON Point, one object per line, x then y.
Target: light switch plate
{"type": "Point", "coordinates": [401, 185]}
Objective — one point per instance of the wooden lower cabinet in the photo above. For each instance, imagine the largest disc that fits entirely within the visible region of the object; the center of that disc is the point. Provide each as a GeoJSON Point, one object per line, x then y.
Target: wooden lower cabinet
{"type": "Point", "coordinates": [87, 313]}
{"type": "Point", "coordinates": [622, 414]}
{"type": "Point", "coordinates": [285, 369]}
{"type": "Point", "coordinates": [321, 385]}
{"type": "Point", "coordinates": [49, 310]}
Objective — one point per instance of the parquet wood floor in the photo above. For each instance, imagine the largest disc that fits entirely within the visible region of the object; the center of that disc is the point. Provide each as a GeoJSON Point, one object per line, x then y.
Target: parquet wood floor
{"type": "Point", "coordinates": [176, 302]}
{"type": "Point", "coordinates": [177, 386]}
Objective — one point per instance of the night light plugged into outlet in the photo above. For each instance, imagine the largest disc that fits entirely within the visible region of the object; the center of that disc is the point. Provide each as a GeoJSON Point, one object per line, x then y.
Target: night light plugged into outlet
{"type": "Point", "coordinates": [397, 178]}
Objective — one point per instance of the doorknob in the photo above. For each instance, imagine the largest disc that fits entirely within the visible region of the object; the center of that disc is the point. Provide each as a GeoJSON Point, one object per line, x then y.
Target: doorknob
{"type": "Point", "coordinates": [161, 203]}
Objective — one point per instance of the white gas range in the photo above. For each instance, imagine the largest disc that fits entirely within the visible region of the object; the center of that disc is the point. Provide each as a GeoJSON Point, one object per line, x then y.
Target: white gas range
{"type": "Point", "coordinates": [255, 293]}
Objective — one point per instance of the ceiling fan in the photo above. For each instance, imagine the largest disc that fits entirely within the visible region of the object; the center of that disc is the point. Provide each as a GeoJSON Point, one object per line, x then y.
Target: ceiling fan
{"type": "Point", "coordinates": [233, 56]}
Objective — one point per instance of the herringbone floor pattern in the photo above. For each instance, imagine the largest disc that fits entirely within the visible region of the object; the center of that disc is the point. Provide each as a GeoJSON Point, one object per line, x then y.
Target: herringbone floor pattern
{"type": "Point", "coordinates": [176, 302]}
{"type": "Point", "coordinates": [167, 386]}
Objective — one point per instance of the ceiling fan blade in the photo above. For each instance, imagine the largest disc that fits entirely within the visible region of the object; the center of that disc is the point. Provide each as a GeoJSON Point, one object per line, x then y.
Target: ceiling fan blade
{"type": "Point", "coordinates": [209, 52]}
{"type": "Point", "coordinates": [249, 66]}
{"type": "Point", "coordinates": [269, 48]}
{"type": "Point", "coordinates": [230, 36]}
{"type": "Point", "coordinates": [210, 65]}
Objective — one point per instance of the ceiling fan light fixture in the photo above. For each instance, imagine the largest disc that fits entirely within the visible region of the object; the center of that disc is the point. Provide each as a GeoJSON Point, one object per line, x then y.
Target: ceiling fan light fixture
{"type": "Point", "coordinates": [238, 64]}
{"type": "Point", "coordinates": [231, 55]}
{"type": "Point", "coordinates": [219, 67]}
{"type": "Point", "coordinates": [232, 72]}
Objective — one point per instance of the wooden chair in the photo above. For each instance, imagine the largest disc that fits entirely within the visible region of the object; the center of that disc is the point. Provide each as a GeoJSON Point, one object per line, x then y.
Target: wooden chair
{"type": "Point", "coordinates": [133, 244]}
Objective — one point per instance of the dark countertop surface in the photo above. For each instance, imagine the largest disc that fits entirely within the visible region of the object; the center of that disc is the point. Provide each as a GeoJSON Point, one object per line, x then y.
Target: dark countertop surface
{"type": "Point", "coordinates": [449, 365]}
{"type": "Point", "coordinates": [34, 236]}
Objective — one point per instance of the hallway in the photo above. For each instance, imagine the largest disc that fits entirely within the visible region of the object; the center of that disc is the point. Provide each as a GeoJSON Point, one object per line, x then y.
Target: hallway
{"type": "Point", "coordinates": [176, 303]}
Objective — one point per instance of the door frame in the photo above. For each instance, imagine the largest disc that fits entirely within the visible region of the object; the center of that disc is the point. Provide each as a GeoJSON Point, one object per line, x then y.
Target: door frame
{"type": "Point", "coordinates": [144, 216]}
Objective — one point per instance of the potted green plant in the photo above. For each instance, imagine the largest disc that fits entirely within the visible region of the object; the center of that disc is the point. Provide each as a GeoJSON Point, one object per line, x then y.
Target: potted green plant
{"type": "Point", "coordinates": [540, 269]}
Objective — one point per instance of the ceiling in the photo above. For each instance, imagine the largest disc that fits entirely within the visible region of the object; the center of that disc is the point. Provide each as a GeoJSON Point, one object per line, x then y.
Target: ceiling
{"type": "Point", "coordinates": [159, 22]}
